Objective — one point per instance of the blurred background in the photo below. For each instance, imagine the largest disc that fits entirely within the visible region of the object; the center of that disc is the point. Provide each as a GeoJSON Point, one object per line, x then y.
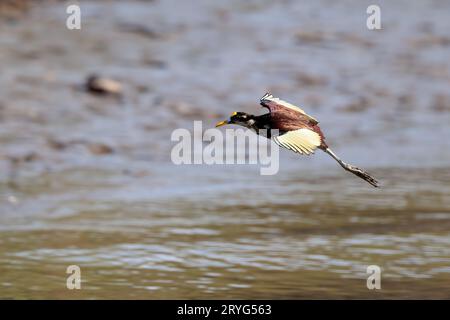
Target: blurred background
{"type": "Point", "coordinates": [87, 179]}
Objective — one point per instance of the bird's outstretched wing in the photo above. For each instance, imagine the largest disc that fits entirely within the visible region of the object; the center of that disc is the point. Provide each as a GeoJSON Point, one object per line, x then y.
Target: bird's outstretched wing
{"type": "Point", "coordinates": [277, 105]}
{"type": "Point", "coordinates": [303, 141]}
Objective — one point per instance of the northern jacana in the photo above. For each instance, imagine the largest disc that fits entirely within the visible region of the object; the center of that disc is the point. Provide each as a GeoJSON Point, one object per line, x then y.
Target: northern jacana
{"type": "Point", "coordinates": [298, 131]}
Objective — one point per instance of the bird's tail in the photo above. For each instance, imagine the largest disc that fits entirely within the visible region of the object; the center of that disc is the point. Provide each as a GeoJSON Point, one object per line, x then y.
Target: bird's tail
{"type": "Point", "coordinates": [355, 170]}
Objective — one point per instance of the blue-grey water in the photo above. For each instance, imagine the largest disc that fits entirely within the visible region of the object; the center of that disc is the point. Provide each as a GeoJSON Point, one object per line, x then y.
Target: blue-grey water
{"type": "Point", "coordinates": [87, 180]}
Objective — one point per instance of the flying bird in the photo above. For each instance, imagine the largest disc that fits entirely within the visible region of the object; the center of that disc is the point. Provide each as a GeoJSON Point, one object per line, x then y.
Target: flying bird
{"type": "Point", "coordinates": [298, 131]}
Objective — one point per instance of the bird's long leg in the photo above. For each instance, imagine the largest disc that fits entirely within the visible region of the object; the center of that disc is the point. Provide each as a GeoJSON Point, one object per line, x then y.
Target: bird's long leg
{"type": "Point", "coordinates": [355, 170]}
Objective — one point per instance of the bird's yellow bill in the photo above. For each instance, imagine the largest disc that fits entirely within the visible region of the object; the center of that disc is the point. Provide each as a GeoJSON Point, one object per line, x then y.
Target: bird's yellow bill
{"type": "Point", "coordinates": [221, 123]}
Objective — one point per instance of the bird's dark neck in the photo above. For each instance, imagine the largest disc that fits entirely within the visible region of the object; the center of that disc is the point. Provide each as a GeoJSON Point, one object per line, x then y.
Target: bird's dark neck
{"type": "Point", "coordinates": [261, 124]}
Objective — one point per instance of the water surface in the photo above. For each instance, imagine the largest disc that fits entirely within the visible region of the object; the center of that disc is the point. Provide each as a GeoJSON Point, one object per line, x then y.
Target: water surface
{"type": "Point", "coordinates": [88, 180]}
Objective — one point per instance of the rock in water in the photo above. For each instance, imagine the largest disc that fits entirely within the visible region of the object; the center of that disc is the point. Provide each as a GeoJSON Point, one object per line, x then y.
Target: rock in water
{"type": "Point", "coordinates": [101, 85]}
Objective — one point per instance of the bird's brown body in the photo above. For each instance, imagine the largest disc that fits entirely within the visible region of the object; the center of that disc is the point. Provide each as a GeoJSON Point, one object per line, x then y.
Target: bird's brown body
{"type": "Point", "coordinates": [291, 120]}
{"type": "Point", "coordinates": [297, 130]}
{"type": "Point", "coordinates": [287, 119]}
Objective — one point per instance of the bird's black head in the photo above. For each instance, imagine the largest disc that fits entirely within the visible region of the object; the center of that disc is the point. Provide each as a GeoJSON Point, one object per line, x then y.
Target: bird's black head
{"type": "Point", "coordinates": [239, 118]}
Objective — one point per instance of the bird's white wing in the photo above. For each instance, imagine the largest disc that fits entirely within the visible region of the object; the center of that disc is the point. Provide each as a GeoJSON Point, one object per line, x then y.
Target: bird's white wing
{"type": "Point", "coordinates": [303, 141]}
